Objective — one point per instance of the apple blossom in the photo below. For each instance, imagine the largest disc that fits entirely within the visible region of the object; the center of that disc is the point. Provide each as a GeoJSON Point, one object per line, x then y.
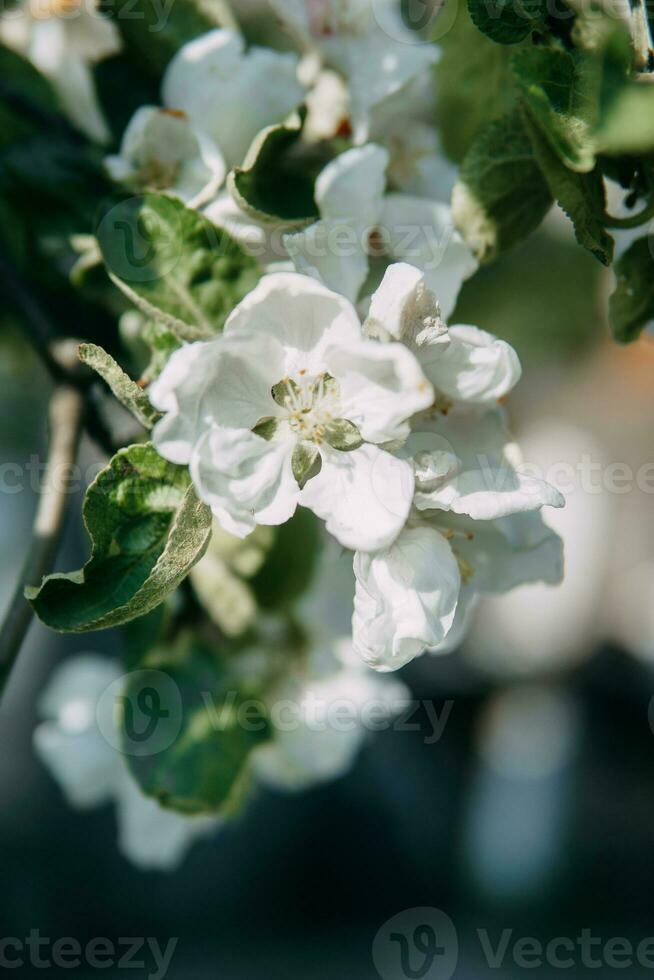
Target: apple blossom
{"type": "Point", "coordinates": [291, 385]}
{"type": "Point", "coordinates": [230, 93]}
{"type": "Point", "coordinates": [161, 151]}
{"type": "Point", "coordinates": [359, 220]}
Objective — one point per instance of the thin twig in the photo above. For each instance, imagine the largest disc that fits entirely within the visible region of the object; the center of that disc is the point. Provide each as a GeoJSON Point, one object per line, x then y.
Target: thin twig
{"type": "Point", "coordinates": [66, 419]}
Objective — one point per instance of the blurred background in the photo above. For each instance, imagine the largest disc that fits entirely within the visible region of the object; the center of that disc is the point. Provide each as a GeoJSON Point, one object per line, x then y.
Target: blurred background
{"type": "Point", "coordinates": [532, 813]}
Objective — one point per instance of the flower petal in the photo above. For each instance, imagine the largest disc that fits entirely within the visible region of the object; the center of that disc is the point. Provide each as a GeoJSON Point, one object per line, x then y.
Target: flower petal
{"type": "Point", "coordinates": [331, 251]}
{"type": "Point", "coordinates": [487, 481]}
{"type": "Point", "coordinates": [220, 381]}
{"type": "Point", "coordinates": [246, 480]}
{"type": "Point", "coordinates": [405, 599]}
{"type": "Point", "coordinates": [229, 93]}
{"type": "Point", "coordinates": [422, 232]}
{"type": "Point", "coordinates": [300, 314]}
{"type": "Point", "coordinates": [476, 367]}
{"type": "Point", "coordinates": [364, 496]}
{"type": "Point", "coordinates": [352, 185]}
{"type": "Point", "coordinates": [381, 386]}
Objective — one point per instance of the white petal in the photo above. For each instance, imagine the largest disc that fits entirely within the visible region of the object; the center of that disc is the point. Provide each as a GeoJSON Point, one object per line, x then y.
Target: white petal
{"type": "Point", "coordinates": [364, 496]}
{"type": "Point", "coordinates": [376, 66]}
{"type": "Point", "coordinates": [485, 484]}
{"type": "Point", "coordinates": [70, 742]}
{"type": "Point", "coordinates": [246, 480]}
{"type": "Point", "coordinates": [333, 252]}
{"type": "Point", "coordinates": [230, 93]}
{"type": "Point", "coordinates": [422, 232]}
{"type": "Point", "coordinates": [509, 552]}
{"type": "Point", "coordinates": [352, 185]}
{"type": "Point", "coordinates": [316, 743]}
{"type": "Point", "coordinates": [151, 837]}
{"type": "Point", "coordinates": [476, 367]}
{"type": "Point", "coordinates": [405, 599]}
{"type": "Point", "coordinates": [403, 307]}
{"type": "Point", "coordinates": [220, 381]}
{"type": "Point", "coordinates": [301, 315]}
{"type": "Point", "coordinates": [381, 386]}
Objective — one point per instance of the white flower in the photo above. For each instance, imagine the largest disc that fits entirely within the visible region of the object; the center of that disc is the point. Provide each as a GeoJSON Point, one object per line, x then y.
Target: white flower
{"type": "Point", "coordinates": [229, 93]}
{"type": "Point", "coordinates": [320, 714]}
{"type": "Point", "coordinates": [63, 39]}
{"type": "Point", "coordinates": [160, 151]}
{"type": "Point", "coordinates": [366, 41]}
{"type": "Point", "coordinates": [359, 220]}
{"type": "Point", "coordinates": [410, 597]}
{"type": "Point", "coordinates": [464, 363]}
{"type": "Point", "coordinates": [91, 771]}
{"type": "Point", "coordinates": [290, 385]}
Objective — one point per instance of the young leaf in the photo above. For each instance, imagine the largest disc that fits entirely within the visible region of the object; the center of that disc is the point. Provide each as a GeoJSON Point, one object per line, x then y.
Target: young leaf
{"type": "Point", "coordinates": [581, 196]}
{"type": "Point", "coordinates": [174, 264]}
{"type": "Point", "coordinates": [507, 21]}
{"type": "Point", "coordinates": [271, 186]}
{"type": "Point", "coordinates": [501, 195]}
{"type": "Point", "coordinates": [631, 305]}
{"type": "Point", "coordinates": [208, 722]}
{"type": "Point", "coordinates": [561, 92]}
{"type": "Point", "coordinates": [147, 530]}
{"type": "Point", "coordinates": [126, 391]}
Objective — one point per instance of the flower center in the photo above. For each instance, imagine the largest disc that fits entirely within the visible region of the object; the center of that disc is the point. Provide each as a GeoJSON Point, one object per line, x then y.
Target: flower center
{"type": "Point", "coordinates": [44, 9]}
{"type": "Point", "coordinates": [310, 405]}
{"type": "Point", "coordinates": [338, 17]}
{"type": "Point", "coordinates": [157, 175]}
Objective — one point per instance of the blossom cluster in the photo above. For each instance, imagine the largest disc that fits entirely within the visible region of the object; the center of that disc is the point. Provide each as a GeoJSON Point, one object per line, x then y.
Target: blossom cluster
{"type": "Point", "coordinates": [341, 383]}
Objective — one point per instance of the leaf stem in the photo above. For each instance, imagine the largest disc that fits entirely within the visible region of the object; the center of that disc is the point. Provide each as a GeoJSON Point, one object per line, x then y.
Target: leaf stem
{"type": "Point", "coordinates": [66, 420]}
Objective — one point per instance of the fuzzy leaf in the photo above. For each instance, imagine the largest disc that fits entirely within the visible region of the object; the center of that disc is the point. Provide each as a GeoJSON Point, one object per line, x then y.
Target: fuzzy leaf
{"type": "Point", "coordinates": [147, 530]}
{"type": "Point", "coordinates": [501, 195]}
{"type": "Point", "coordinates": [631, 306]}
{"type": "Point", "coordinates": [195, 757]}
{"type": "Point", "coordinates": [507, 21]}
{"type": "Point", "coordinates": [271, 185]}
{"type": "Point", "coordinates": [581, 196]}
{"type": "Point", "coordinates": [126, 391]}
{"type": "Point", "coordinates": [174, 264]}
{"type": "Point", "coordinates": [561, 92]}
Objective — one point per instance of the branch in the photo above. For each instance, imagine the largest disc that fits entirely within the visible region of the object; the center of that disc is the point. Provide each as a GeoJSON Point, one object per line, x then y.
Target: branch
{"type": "Point", "coordinates": [66, 418]}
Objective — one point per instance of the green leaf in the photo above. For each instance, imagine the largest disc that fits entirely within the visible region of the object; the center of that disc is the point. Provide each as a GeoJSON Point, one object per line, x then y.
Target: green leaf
{"type": "Point", "coordinates": [627, 123]}
{"type": "Point", "coordinates": [154, 32]}
{"type": "Point", "coordinates": [305, 456]}
{"type": "Point", "coordinates": [202, 721]}
{"type": "Point", "coordinates": [147, 530]}
{"type": "Point", "coordinates": [273, 184]}
{"type": "Point", "coordinates": [474, 84]}
{"type": "Point", "coordinates": [290, 565]}
{"type": "Point", "coordinates": [561, 92]}
{"type": "Point", "coordinates": [174, 264]}
{"type": "Point", "coordinates": [501, 195]}
{"type": "Point", "coordinates": [342, 434]}
{"type": "Point", "coordinates": [162, 342]}
{"type": "Point", "coordinates": [631, 306]}
{"type": "Point", "coordinates": [581, 196]}
{"type": "Point", "coordinates": [126, 391]}
{"type": "Point", "coordinates": [507, 21]}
